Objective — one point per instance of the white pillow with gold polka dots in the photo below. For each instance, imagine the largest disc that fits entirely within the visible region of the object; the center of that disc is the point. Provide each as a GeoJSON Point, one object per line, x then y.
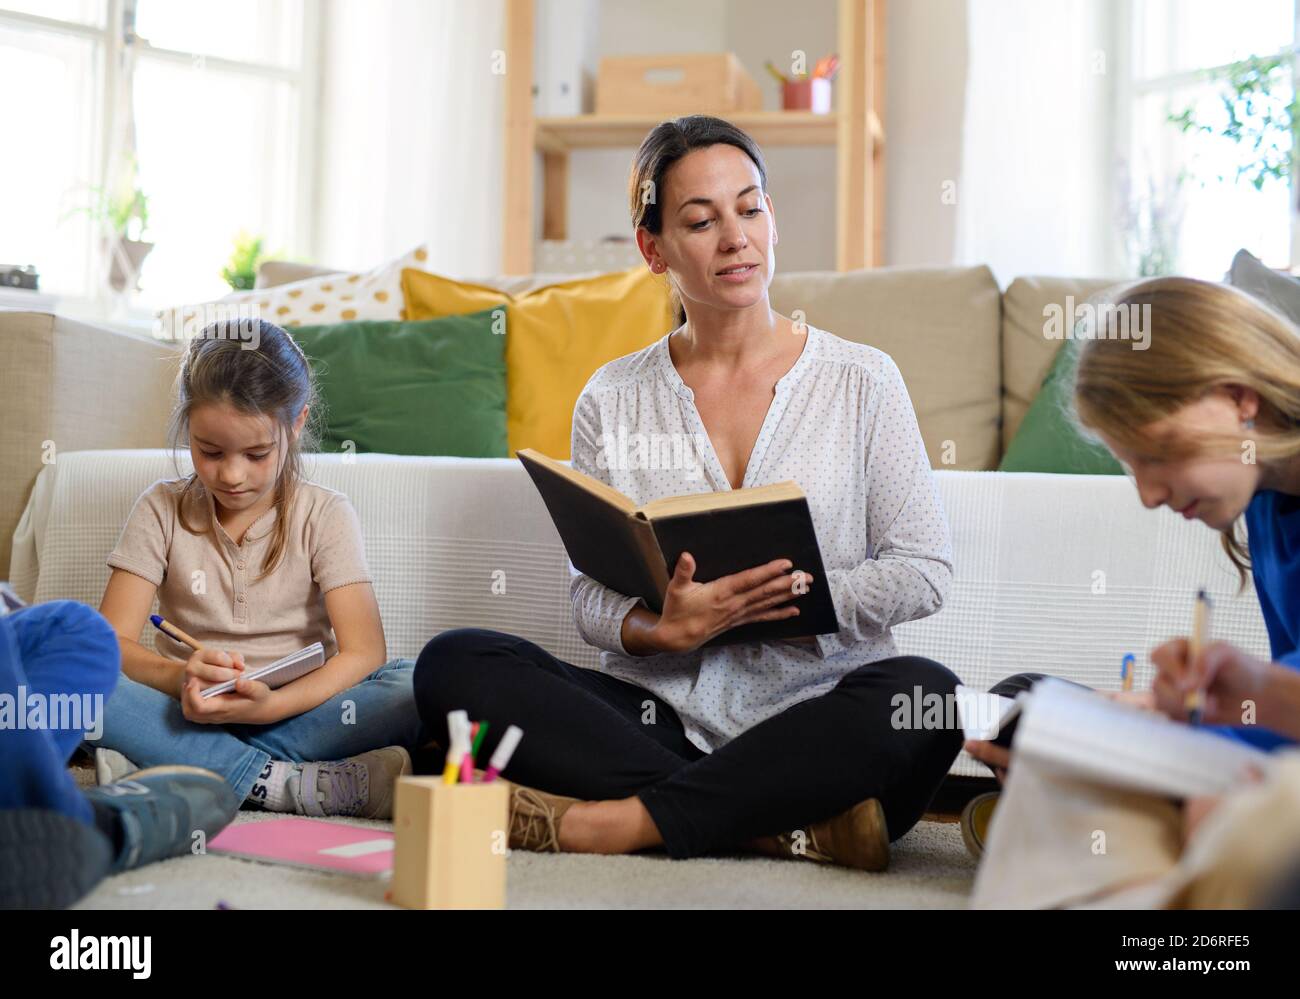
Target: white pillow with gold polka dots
{"type": "Point", "coordinates": [321, 301]}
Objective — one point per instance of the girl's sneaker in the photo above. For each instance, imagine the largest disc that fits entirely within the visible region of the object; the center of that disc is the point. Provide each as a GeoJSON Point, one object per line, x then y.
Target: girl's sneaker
{"type": "Point", "coordinates": [361, 785]}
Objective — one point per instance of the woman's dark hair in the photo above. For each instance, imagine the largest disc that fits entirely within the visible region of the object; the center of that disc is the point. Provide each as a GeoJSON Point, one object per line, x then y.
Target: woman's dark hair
{"type": "Point", "coordinates": [257, 368]}
{"type": "Point", "coordinates": [667, 143]}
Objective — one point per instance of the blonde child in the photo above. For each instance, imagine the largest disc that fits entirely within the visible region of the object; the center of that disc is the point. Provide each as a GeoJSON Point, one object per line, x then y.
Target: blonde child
{"type": "Point", "coordinates": [1207, 422]}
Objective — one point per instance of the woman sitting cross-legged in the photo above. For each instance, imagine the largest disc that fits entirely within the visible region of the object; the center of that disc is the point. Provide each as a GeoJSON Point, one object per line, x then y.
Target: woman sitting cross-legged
{"type": "Point", "coordinates": [786, 748]}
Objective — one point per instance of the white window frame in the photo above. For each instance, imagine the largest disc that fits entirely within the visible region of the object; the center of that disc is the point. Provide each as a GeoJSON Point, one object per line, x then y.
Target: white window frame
{"type": "Point", "coordinates": [112, 39]}
{"type": "Point", "coordinates": [1131, 89]}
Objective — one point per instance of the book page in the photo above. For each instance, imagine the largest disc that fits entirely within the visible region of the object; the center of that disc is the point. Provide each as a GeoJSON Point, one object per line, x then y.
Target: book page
{"type": "Point", "coordinates": [1083, 734]}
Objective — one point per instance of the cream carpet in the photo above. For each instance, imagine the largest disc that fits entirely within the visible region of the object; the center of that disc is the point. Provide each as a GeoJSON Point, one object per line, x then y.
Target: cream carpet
{"type": "Point", "coordinates": [930, 869]}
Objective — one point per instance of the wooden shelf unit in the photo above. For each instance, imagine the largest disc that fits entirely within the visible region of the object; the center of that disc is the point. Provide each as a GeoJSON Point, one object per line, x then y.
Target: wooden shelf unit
{"type": "Point", "coordinates": [855, 129]}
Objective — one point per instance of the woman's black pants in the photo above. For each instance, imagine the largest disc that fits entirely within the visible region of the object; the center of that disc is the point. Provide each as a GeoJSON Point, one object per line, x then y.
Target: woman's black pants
{"type": "Point", "coordinates": [593, 736]}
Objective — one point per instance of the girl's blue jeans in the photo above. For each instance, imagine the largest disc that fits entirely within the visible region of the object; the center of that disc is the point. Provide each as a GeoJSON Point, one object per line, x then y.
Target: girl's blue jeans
{"type": "Point", "coordinates": [149, 728]}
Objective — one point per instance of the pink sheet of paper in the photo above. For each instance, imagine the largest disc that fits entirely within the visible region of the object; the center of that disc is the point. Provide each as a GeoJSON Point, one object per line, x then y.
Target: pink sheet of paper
{"type": "Point", "coordinates": [314, 843]}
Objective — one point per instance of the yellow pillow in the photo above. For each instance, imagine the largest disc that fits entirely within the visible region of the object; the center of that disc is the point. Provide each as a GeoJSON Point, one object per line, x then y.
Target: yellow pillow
{"type": "Point", "coordinates": [556, 338]}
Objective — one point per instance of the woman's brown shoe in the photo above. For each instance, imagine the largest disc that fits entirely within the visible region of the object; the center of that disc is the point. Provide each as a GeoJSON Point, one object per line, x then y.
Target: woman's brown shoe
{"type": "Point", "coordinates": [535, 819]}
{"type": "Point", "coordinates": [857, 838]}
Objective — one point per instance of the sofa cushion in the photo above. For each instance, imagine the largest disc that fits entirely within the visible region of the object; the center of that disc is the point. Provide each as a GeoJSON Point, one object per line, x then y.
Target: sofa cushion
{"type": "Point", "coordinates": [1279, 290]}
{"type": "Point", "coordinates": [314, 301]}
{"type": "Point", "coordinates": [432, 387]}
{"type": "Point", "coordinates": [556, 338]}
{"type": "Point", "coordinates": [941, 327]}
{"type": "Point", "coordinates": [1048, 439]}
{"type": "Point", "coordinates": [1027, 351]}
{"type": "Point", "coordinates": [272, 273]}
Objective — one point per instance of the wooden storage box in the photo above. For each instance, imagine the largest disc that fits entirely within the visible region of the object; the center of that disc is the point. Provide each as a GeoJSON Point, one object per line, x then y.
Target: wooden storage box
{"type": "Point", "coordinates": [451, 844]}
{"type": "Point", "coordinates": [703, 83]}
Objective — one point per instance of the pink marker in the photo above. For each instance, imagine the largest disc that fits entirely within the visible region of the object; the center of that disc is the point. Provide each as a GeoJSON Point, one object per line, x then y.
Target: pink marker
{"type": "Point", "coordinates": [467, 768]}
{"type": "Point", "coordinates": [505, 750]}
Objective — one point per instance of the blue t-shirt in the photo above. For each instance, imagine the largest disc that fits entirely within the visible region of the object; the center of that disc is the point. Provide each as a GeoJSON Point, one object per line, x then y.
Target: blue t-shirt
{"type": "Point", "coordinates": [1273, 523]}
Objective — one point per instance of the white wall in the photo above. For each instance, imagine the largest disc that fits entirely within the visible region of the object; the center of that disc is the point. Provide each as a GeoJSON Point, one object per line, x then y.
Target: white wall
{"type": "Point", "coordinates": [406, 157]}
{"type": "Point", "coordinates": [925, 91]}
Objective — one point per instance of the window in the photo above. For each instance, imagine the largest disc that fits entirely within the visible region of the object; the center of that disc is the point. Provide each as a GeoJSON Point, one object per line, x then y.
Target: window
{"type": "Point", "coordinates": [1183, 185]}
{"type": "Point", "coordinates": [217, 110]}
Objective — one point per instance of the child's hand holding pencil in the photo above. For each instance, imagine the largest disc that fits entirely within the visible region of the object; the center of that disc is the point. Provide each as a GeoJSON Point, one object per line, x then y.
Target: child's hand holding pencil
{"type": "Point", "coordinates": [1232, 681]}
{"type": "Point", "coordinates": [249, 704]}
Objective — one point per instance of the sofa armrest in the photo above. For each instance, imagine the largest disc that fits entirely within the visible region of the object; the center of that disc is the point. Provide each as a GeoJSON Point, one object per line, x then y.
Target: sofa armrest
{"type": "Point", "coordinates": [68, 386]}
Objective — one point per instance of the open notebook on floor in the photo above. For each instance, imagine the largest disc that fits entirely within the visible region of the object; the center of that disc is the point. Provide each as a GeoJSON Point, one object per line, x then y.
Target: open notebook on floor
{"type": "Point", "coordinates": [280, 672]}
{"type": "Point", "coordinates": [1080, 733]}
{"type": "Point", "coordinates": [314, 843]}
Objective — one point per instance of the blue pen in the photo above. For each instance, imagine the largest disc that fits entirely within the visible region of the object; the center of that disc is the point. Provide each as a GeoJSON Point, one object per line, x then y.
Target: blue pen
{"type": "Point", "coordinates": [173, 632]}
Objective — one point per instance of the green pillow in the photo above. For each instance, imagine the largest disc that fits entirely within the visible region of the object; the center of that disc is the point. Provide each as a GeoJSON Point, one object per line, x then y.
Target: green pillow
{"type": "Point", "coordinates": [1048, 440]}
{"type": "Point", "coordinates": [435, 387]}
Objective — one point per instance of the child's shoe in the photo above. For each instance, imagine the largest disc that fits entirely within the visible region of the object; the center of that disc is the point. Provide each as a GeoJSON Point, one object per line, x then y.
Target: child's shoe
{"type": "Point", "coordinates": [48, 860]}
{"type": "Point", "coordinates": [361, 785]}
{"type": "Point", "coordinates": [154, 813]}
{"type": "Point", "coordinates": [975, 819]}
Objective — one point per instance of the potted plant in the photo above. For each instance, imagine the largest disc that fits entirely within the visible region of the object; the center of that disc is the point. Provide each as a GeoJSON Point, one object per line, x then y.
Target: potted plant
{"type": "Point", "coordinates": [122, 215]}
{"type": "Point", "coordinates": [127, 217]}
{"type": "Point", "coordinates": [241, 271]}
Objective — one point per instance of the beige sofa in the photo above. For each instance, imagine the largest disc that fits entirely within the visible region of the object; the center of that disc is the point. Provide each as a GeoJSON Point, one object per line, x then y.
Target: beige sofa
{"type": "Point", "coordinates": [1029, 549]}
{"type": "Point", "coordinates": [973, 358]}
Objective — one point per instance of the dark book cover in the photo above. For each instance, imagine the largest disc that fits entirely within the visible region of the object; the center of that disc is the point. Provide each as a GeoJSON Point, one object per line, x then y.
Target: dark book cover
{"type": "Point", "coordinates": [603, 541]}
{"type": "Point", "coordinates": [732, 540]}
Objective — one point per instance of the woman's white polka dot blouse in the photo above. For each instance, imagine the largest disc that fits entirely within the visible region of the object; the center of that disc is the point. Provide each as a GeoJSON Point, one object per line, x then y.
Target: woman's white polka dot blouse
{"type": "Point", "coordinates": [841, 425]}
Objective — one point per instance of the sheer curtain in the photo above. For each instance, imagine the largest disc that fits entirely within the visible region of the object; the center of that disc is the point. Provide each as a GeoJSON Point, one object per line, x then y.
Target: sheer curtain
{"type": "Point", "coordinates": [1036, 189]}
{"type": "Point", "coordinates": [411, 118]}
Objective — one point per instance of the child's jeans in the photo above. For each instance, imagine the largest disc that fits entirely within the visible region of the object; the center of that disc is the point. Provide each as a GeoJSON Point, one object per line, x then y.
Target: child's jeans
{"type": "Point", "coordinates": [149, 728]}
{"type": "Point", "coordinates": [58, 655]}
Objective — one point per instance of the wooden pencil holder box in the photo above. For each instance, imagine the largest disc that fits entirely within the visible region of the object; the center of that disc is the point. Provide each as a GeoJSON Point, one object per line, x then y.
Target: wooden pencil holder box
{"type": "Point", "coordinates": [451, 844]}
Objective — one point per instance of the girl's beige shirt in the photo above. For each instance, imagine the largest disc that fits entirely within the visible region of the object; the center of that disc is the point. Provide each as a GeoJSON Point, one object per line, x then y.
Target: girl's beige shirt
{"type": "Point", "coordinates": [209, 586]}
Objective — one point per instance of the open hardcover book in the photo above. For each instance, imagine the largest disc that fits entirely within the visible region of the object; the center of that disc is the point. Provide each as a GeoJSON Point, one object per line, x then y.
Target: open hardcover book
{"type": "Point", "coordinates": [633, 549]}
{"type": "Point", "coordinates": [1080, 733]}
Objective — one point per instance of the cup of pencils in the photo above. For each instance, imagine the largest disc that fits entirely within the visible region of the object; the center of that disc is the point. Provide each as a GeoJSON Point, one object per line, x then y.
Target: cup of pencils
{"type": "Point", "coordinates": [808, 91]}
{"type": "Point", "coordinates": [452, 830]}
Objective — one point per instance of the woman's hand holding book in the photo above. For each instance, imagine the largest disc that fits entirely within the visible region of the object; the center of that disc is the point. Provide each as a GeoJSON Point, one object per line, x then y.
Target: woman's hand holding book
{"type": "Point", "coordinates": [696, 612]}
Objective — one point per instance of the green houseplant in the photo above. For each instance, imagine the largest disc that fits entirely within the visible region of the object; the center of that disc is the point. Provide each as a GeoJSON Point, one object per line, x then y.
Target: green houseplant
{"type": "Point", "coordinates": [122, 215]}
{"type": "Point", "coordinates": [1260, 117]}
{"type": "Point", "coordinates": [240, 271]}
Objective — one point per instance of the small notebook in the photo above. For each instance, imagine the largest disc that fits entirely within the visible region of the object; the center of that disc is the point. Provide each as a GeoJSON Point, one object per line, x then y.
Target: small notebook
{"type": "Point", "coordinates": [1080, 733]}
{"type": "Point", "coordinates": [280, 672]}
{"type": "Point", "coordinates": [313, 843]}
